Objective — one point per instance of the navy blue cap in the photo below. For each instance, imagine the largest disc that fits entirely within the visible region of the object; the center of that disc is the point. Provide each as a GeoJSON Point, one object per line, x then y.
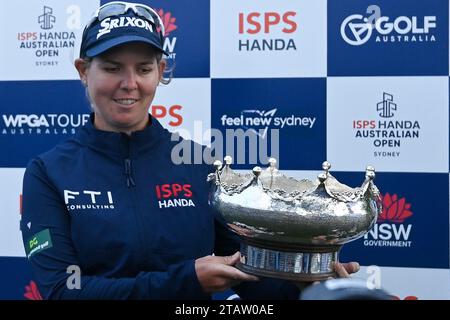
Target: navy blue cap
{"type": "Point", "coordinates": [101, 36]}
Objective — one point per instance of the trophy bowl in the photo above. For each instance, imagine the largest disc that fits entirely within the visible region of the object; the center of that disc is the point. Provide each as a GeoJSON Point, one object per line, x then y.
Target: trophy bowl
{"type": "Point", "coordinates": [292, 229]}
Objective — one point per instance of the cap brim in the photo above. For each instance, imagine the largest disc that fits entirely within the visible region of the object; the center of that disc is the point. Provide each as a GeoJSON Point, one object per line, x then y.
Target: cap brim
{"type": "Point", "coordinates": [108, 44]}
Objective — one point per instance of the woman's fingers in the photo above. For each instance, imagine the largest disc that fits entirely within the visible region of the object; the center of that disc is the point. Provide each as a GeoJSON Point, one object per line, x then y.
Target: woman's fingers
{"type": "Point", "coordinates": [230, 260]}
{"type": "Point", "coordinates": [351, 267]}
{"type": "Point", "coordinates": [217, 273]}
{"type": "Point", "coordinates": [344, 270]}
{"type": "Point", "coordinates": [237, 274]}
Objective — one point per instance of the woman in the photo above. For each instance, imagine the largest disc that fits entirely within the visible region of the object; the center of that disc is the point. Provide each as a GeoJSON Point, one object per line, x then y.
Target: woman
{"type": "Point", "coordinates": [98, 203]}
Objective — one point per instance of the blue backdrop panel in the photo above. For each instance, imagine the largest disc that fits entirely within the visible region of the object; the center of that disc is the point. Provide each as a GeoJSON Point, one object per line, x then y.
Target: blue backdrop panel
{"type": "Point", "coordinates": [36, 115]}
{"type": "Point", "coordinates": [277, 104]}
{"type": "Point", "coordinates": [368, 52]}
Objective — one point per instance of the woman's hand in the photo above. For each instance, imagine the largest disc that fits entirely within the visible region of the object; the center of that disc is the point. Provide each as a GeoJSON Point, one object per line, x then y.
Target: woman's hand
{"type": "Point", "coordinates": [344, 270]}
{"type": "Point", "coordinates": [217, 274]}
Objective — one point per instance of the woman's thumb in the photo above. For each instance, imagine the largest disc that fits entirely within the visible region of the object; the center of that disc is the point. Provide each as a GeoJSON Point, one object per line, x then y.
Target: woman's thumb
{"type": "Point", "coordinates": [232, 260]}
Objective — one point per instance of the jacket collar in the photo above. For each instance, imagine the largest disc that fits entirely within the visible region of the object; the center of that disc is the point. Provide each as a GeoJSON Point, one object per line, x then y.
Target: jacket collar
{"type": "Point", "coordinates": [119, 142]}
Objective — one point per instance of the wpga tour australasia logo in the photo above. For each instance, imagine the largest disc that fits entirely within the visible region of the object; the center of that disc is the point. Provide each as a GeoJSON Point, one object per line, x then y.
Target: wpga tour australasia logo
{"type": "Point", "coordinates": [41, 124]}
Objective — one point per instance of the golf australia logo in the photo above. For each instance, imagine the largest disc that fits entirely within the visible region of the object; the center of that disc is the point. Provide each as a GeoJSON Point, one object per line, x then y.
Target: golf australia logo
{"type": "Point", "coordinates": [356, 29]}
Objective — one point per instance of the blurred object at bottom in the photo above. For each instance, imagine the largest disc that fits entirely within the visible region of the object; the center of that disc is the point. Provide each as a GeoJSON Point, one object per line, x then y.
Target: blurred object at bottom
{"type": "Point", "coordinates": [344, 289]}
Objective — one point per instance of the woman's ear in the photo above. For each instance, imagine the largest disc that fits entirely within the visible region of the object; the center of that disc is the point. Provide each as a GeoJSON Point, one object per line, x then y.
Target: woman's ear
{"type": "Point", "coordinates": [162, 67]}
{"type": "Point", "coordinates": [81, 66]}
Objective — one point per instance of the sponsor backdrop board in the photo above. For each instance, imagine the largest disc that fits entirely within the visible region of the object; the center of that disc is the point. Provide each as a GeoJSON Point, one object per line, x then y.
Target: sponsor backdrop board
{"type": "Point", "coordinates": [355, 82]}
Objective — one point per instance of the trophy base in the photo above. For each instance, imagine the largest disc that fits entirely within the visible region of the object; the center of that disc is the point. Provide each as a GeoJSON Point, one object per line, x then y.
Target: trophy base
{"type": "Point", "coordinates": [294, 263]}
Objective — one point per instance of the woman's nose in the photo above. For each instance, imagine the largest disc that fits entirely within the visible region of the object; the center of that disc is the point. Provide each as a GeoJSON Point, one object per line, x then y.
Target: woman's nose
{"type": "Point", "coordinates": [129, 80]}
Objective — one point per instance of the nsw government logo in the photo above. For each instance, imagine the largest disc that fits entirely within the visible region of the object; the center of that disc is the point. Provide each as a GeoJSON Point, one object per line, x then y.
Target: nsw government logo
{"type": "Point", "coordinates": [48, 43]}
{"type": "Point", "coordinates": [387, 133]}
{"type": "Point", "coordinates": [391, 229]}
{"type": "Point", "coordinates": [169, 25]}
{"type": "Point", "coordinates": [357, 30]}
{"type": "Point", "coordinates": [267, 31]}
{"type": "Point", "coordinates": [41, 124]}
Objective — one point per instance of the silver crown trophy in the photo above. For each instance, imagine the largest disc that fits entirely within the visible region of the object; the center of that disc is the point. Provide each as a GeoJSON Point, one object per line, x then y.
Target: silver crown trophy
{"type": "Point", "coordinates": [292, 229]}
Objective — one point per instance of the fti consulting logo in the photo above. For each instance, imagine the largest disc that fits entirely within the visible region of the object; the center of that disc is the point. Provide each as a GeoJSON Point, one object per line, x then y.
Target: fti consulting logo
{"type": "Point", "coordinates": [392, 228]}
{"type": "Point", "coordinates": [399, 33]}
{"type": "Point", "coordinates": [88, 200]}
{"type": "Point", "coordinates": [386, 134]}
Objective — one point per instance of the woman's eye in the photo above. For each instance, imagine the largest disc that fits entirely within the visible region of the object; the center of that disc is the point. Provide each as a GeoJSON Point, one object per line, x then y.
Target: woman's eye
{"type": "Point", "coordinates": [111, 69]}
{"type": "Point", "coordinates": [146, 70]}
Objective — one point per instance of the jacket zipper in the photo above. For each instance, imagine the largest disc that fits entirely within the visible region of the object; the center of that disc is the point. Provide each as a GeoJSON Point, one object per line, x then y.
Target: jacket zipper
{"type": "Point", "coordinates": [134, 200]}
{"type": "Point", "coordinates": [128, 173]}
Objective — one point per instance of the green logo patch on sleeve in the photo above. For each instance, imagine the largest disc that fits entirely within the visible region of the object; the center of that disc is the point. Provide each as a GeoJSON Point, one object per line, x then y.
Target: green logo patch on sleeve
{"type": "Point", "coordinates": [39, 242]}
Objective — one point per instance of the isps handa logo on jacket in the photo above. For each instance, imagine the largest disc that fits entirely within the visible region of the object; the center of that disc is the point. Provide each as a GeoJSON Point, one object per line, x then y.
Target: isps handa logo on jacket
{"type": "Point", "coordinates": [174, 195]}
{"type": "Point", "coordinates": [391, 229]}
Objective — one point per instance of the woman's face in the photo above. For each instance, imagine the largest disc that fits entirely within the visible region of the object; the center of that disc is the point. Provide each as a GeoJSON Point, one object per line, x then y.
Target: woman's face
{"type": "Point", "coordinates": [121, 84]}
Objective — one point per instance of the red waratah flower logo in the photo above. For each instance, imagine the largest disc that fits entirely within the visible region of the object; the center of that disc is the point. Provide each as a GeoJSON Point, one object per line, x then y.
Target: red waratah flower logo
{"type": "Point", "coordinates": [32, 291]}
{"type": "Point", "coordinates": [394, 209]}
{"type": "Point", "coordinates": [168, 21]}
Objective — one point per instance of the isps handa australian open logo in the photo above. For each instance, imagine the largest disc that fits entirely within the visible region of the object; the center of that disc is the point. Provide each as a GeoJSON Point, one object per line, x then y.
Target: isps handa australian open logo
{"type": "Point", "coordinates": [392, 228]}
{"type": "Point", "coordinates": [52, 34]}
{"type": "Point", "coordinates": [388, 132]}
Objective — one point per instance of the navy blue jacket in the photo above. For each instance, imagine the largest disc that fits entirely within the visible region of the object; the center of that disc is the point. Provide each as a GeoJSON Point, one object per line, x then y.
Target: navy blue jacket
{"type": "Point", "coordinates": [133, 222]}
